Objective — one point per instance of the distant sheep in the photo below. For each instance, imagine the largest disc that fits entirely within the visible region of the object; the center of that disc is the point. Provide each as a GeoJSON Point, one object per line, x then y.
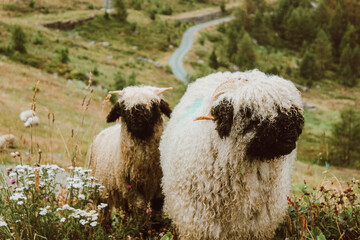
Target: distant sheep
{"type": "Point", "coordinates": [29, 118]}
{"type": "Point", "coordinates": [26, 114]}
{"type": "Point", "coordinates": [32, 121]}
{"type": "Point", "coordinates": [125, 157]}
{"type": "Point", "coordinates": [228, 177]}
{"type": "Point", "coordinates": [6, 141]}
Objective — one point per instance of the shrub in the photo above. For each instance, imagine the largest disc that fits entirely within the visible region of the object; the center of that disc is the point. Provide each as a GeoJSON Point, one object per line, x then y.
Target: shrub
{"type": "Point", "coordinates": [64, 55]}
{"type": "Point", "coordinates": [121, 12]}
{"type": "Point", "coordinates": [18, 39]}
{"type": "Point", "coordinates": [38, 38]}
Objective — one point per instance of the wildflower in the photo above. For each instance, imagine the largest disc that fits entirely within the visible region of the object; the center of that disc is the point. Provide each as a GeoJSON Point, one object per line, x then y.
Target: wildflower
{"type": "Point", "coordinates": [147, 211]}
{"type": "Point", "coordinates": [3, 224]}
{"type": "Point", "coordinates": [62, 219]}
{"type": "Point", "coordinates": [93, 224]}
{"type": "Point", "coordinates": [43, 211]}
{"type": "Point", "coordinates": [47, 198]}
{"type": "Point", "coordinates": [12, 181]}
{"type": "Point", "coordinates": [17, 153]}
{"type": "Point", "coordinates": [102, 205]}
{"type": "Point", "coordinates": [83, 222]}
{"type": "Point", "coordinates": [81, 196]}
{"type": "Point", "coordinates": [20, 203]}
{"type": "Point", "coordinates": [128, 186]}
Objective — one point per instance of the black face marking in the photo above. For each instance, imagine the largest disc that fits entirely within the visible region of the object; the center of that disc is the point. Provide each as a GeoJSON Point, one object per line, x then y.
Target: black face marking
{"type": "Point", "coordinates": [165, 108]}
{"type": "Point", "coordinates": [139, 120]}
{"type": "Point", "coordinates": [115, 112]}
{"type": "Point", "coordinates": [223, 114]}
{"type": "Point", "coordinates": [275, 138]}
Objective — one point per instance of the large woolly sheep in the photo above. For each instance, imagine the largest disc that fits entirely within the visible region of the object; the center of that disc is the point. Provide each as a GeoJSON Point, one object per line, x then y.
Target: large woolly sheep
{"type": "Point", "coordinates": [125, 157]}
{"type": "Point", "coordinates": [228, 177]}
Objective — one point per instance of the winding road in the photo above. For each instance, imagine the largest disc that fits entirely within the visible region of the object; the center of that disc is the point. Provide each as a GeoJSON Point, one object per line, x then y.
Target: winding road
{"type": "Point", "coordinates": [176, 59]}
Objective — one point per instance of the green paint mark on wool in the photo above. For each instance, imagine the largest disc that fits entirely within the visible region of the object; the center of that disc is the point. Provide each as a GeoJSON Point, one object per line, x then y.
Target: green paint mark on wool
{"type": "Point", "coordinates": [193, 108]}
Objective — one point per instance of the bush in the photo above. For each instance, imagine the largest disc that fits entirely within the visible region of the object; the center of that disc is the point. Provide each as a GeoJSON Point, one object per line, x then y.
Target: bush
{"type": "Point", "coordinates": [38, 38]}
{"type": "Point", "coordinates": [121, 11]}
{"type": "Point", "coordinates": [18, 39]}
{"type": "Point", "coordinates": [64, 55]}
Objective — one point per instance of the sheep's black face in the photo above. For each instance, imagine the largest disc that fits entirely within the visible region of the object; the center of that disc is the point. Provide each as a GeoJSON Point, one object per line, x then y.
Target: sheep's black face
{"type": "Point", "coordinates": [275, 138]}
{"type": "Point", "coordinates": [139, 120]}
{"type": "Point", "coordinates": [272, 138]}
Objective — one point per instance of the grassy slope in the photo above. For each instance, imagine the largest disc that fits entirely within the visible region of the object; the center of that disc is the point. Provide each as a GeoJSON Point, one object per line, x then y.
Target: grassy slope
{"type": "Point", "coordinates": [64, 98]}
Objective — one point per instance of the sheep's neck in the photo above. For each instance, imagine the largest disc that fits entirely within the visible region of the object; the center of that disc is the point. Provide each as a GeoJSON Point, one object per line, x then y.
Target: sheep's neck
{"type": "Point", "coordinates": [142, 158]}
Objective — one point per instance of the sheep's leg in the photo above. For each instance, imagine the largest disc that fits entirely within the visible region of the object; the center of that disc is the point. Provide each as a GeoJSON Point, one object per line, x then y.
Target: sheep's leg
{"type": "Point", "coordinates": [156, 205]}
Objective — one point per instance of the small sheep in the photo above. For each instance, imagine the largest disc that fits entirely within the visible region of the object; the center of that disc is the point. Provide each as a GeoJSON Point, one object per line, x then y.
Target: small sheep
{"type": "Point", "coordinates": [6, 141]}
{"type": "Point", "coordinates": [125, 157]}
{"type": "Point", "coordinates": [32, 121]}
{"type": "Point", "coordinates": [228, 177]}
{"type": "Point", "coordinates": [29, 118]}
{"type": "Point", "coordinates": [27, 114]}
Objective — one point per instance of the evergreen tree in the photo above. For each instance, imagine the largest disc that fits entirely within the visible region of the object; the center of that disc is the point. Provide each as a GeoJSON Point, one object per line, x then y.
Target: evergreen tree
{"type": "Point", "coordinates": [121, 12]}
{"type": "Point", "coordinates": [321, 15]}
{"type": "Point", "coordinates": [213, 62]}
{"type": "Point", "coordinates": [355, 61]}
{"type": "Point", "coordinates": [245, 57]}
{"type": "Point", "coordinates": [337, 28]}
{"type": "Point", "coordinates": [345, 141]}
{"type": "Point", "coordinates": [323, 50]}
{"type": "Point", "coordinates": [18, 39]}
{"type": "Point", "coordinates": [259, 30]}
{"type": "Point", "coordinates": [298, 27]}
{"type": "Point", "coordinates": [349, 38]}
{"type": "Point", "coordinates": [348, 77]}
{"type": "Point", "coordinates": [308, 68]}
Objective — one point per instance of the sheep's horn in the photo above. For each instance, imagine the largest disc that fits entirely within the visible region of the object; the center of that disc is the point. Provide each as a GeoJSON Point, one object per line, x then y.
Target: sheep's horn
{"type": "Point", "coordinates": [120, 93]}
{"type": "Point", "coordinates": [204, 118]}
{"type": "Point", "coordinates": [159, 91]}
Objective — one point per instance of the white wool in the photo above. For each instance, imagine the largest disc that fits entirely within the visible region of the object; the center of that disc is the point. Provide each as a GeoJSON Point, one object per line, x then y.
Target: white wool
{"type": "Point", "coordinates": [211, 190]}
{"type": "Point", "coordinates": [32, 121]}
{"type": "Point", "coordinates": [7, 140]}
{"type": "Point", "coordinates": [26, 114]}
{"type": "Point", "coordinates": [139, 95]}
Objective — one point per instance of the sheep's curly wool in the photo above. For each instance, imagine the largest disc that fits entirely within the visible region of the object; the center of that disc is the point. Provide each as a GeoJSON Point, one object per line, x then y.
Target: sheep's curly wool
{"type": "Point", "coordinates": [127, 162]}
{"type": "Point", "coordinates": [221, 179]}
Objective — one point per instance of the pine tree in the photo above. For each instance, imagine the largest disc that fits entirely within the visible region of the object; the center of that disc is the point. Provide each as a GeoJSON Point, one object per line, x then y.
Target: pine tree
{"type": "Point", "coordinates": [345, 141]}
{"type": "Point", "coordinates": [308, 68]}
{"type": "Point", "coordinates": [321, 15]}
{"type": "Point", "coordinates": [348, 77]}
{"type": "Point", "coordinates": [213, 60]}
{"type": "Point", "coordinates": [349, 38]}
{"type": "Point", "coordinates": [121, 12]}
{"type": "Point", "coordinates": [323, 50]}
{"type": "Point", "coordinates": [259, 30]}
{"type": "Point", "coordinates": [355, 61]}
{"type": "Point", "coordinates": [337, 28]}
{"type": "Point", "coordinates": [245, 57]}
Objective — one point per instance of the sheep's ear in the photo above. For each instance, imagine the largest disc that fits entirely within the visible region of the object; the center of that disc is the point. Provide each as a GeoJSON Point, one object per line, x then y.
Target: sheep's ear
{"type": "Point", "coordinates": [223, 114]}
{"type": "Point", "coordinates": [165, 108]}
{"type": "Point", "coordinates": [115, 112]}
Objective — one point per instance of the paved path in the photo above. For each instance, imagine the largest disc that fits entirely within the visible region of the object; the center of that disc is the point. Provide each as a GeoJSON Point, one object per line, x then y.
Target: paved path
{"type": "Point", "coordinates": [176, 59]}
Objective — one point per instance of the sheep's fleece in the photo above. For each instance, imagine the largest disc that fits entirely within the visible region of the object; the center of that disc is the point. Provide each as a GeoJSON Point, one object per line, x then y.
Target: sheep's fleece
{"type": "Point", "coordinates": [126, 157]}
{"type": "Point", "coordinates": [227, 177]}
